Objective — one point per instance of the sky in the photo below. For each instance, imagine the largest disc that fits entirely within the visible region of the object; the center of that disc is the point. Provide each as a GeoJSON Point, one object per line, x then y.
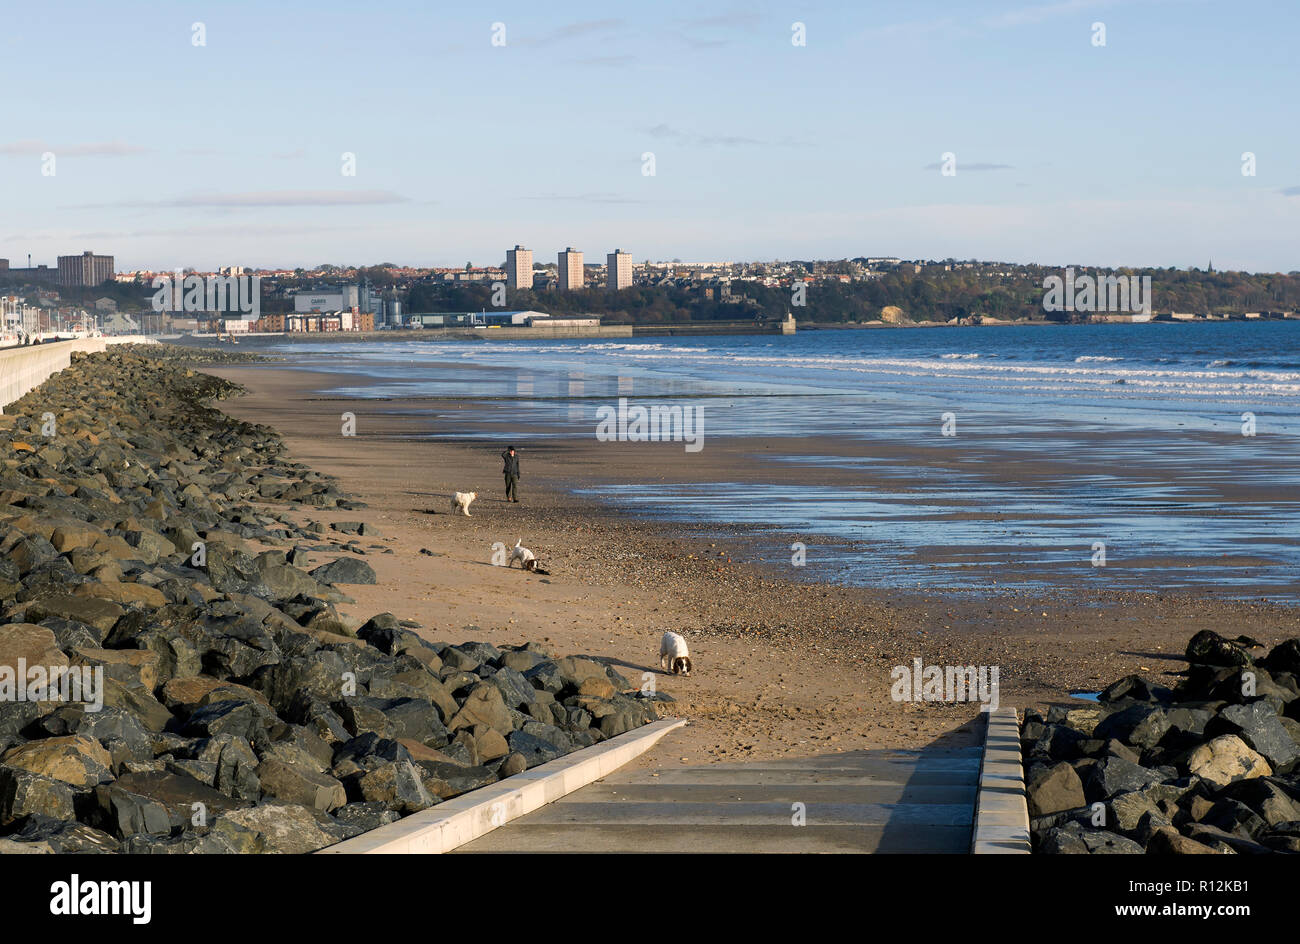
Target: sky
{"type": "Point", "coordinates": [474, 126]}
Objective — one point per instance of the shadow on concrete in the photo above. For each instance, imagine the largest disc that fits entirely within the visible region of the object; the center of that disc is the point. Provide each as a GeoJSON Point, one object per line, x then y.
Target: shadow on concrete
{"type": "Point", "coordinates": [943, 777]}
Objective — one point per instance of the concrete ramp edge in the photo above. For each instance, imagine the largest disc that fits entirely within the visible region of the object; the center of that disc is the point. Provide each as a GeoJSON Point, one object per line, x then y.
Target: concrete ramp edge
{"type": "Point", "coordinates": [451, 824]}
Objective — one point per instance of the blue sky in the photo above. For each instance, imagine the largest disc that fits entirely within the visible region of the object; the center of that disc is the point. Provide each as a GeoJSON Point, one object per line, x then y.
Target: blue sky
{"type": "Point", "coordinates": [168, 154]}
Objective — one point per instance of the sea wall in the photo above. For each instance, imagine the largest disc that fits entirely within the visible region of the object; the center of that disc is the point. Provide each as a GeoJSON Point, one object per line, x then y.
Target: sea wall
{"type": "Point", "coordinates": [26, 368]}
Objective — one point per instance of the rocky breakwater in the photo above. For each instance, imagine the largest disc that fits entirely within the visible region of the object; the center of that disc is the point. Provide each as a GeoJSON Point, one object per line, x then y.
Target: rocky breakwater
{"type": "Point", "coordinates": [1209, 766]}
{"type": "Point", "coordinates": [184, 687]}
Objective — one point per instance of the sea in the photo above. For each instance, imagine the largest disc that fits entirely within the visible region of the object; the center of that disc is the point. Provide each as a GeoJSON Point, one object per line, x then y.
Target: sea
{"type": "Point", "coordinates": [1138, 457]}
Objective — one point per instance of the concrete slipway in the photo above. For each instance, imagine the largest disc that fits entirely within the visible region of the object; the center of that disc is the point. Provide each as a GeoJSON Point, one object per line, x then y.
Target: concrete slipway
{"type": "Point", "coordinates": [956, 800]}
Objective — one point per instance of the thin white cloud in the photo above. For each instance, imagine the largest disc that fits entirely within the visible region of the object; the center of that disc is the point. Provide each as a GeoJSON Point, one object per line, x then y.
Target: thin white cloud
{"type": "Point", "coordinates": [95, 149]}
{"type": "Point", "coordinates": [735, 19]}
{"type": "Point", "coordinates": [669, 133]}
{"type": "Point", "coordinates": [611, 62]}
{"type": "Point", "coordinates": [588, 198]}
{"type": "Point", "coordinates": [570, 31]}
{"type": "Point", "coordinates": [977, 165]}
{"type": "Point", "coordinates": [1040, 12]}
{"type": "Point", "coordinates": [265, 198]}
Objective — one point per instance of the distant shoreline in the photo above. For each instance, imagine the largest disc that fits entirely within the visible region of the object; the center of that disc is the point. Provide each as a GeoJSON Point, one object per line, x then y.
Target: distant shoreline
{"type": "Point", "coordinates": [686, 329]}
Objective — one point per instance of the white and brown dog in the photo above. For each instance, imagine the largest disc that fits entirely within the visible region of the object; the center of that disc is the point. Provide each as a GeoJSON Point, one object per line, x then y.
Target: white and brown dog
{"type": "Point", "coordinates": [673, 654]}
{"type": "Point", "coordinates": [461, 502]}
{"type": "Point", "coordinates": [527, 559]}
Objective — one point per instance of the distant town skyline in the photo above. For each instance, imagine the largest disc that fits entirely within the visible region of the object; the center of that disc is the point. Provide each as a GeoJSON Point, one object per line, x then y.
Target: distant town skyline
{"type": "Point", "coordinates": [991, 130]}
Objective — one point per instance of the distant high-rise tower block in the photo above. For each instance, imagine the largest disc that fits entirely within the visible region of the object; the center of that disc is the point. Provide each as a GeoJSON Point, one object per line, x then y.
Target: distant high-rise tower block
{"type": "Point", "coordinates": [618, 266]}
{"type": "Point", "coordinates": [85, 269]}
{"type": "Point", "coordinates": [570, 274]}
{"type": "Point", "coordinates": [519, 268]}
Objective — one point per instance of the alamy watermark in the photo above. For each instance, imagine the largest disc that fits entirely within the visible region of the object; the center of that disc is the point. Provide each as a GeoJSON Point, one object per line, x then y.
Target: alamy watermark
{"type": "Point", "coordinates": [950, 683]}
{"type": "Point", "coordinates": [655, 423]}
{"type": "Point", "coordinates": [228, 294]}
{"type": "Point", "coordinates": [77, 683]}
{"type": "Point", "coordinates": [1097, 293]}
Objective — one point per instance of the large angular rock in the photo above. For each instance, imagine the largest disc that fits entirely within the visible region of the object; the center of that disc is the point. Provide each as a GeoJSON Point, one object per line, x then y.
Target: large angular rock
{"type": "Point", "coordinates": [1059, 742]}
{"type": "Point", "coordinates": [135, 668]}
{"type": "Point", "coordinates": [1225, 760]}
{"type": "Point", "coordinates": [370, 750]}
{"type": "Point", "coordinates": [515, 689]}
{"type": "Point", "coordinates": [63, 836]}
{"type": "Point", "coordinates": [484, 705]}
{"type": "Point", "coordinates": [1241, 845]}
{"type": "Point", "coordinates": [124, 814]}
{"type": "Point", "coordinates": [1074, 839]}
{"type": "Point", "coordinates": [535, 748]}
{"type": "Point", "coordinates": [1257, 724]}
{"type": "Point", "coordinates": [1209, 648]}
{"type": "Point", "coordinates": [1128, 809]}
{"type": "Point", "coordinates": [1142, 726]}
{"type": "Point", "coordinates": [284, 828]}
{"type": "Point", "coordinates": [1054, 788]}
{"type": "Point", "coordinates": [243, 719]}
{"type": "Point", "coordinates": [321, 674]}
{"type": "Point", "coordinates": [363, 714]}
{"type": "Point", "coordinates": [76, 760]}
{"type": "Point", "coordinates": [125, 594]}
{"type": "Point", "coordinates": [100, 614]}
{"type": "Point", "coordinates": [296, 784]}
{"type": "Point", "coordinates": [513, 764]}
{"type": "Point", "coordinates": [34, 645]}
{"type": "Point", "coordinates": [1267, 797]}
{"type": "Point", "coordinates": [1284, 657]}
{"type": "Point", "coordinates": [23, 793]}
{"type": "Point", "coordinates": [398, 786]}
{"type": "Point", "coordinates": [358, 818]}
{"type": "Point", "coordinates": [188, 801]}
{"type": "Point", "coordinates": [234, 766]}
{"type": "Point", "coordinates": [1112, 775]}
{"type": "Point", "coordinates": [197, 691]}
{"type": "Point", "coordinates": [1166, 840]}
{"type": "Point", "coordinates": [150, 712]}
{"type": "Point", "coordinates": [12, 847]}
{"type": "Point", "coordinates": [574, 669]}
{"type": "Point", "coordinates": [344, 570]}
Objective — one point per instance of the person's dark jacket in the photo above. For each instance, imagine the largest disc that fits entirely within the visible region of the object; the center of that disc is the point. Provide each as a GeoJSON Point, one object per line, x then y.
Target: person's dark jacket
{"type": "Point", "coordinates": [511, 464]}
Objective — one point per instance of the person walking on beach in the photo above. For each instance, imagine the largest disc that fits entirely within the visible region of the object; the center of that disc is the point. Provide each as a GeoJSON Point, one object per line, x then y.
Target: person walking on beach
{"type": "Point", "coordinates": [511, 472]}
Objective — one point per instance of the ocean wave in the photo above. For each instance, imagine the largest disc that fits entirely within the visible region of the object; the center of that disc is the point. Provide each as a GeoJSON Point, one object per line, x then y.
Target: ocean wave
{"type": "Point", "coordinates": [646, 347]}
{"type": "Point", "coordinates": [1095, 358]}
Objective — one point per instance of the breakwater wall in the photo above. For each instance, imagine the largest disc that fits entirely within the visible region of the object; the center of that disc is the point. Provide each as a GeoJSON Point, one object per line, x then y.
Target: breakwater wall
{"type": "Point", "coordinates": [26, 368]}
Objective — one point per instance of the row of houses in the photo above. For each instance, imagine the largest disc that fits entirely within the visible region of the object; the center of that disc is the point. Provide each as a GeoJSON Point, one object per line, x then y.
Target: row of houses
{"type": "Point", "coordinates": [318, 321]}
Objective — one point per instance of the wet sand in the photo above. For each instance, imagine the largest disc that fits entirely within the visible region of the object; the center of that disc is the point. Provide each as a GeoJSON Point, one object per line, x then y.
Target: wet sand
{"type": "Point", "coordinates": [784, 666]}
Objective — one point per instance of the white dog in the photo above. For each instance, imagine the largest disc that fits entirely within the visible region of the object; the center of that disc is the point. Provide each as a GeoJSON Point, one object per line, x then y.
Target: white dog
{"type": "Point", "coordinates": [527, 559]}
{"type": "Point", "coordinates": [673, 654]}
{"type": "Point", "coordinates": [462, 501]}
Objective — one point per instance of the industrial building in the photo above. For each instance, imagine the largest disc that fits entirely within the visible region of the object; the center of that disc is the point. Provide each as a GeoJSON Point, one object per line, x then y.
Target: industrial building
{"type": "Point", "coordinates": [469, 319]}
{"type": "Point", "coordinates": [31, 275]}
{"type": "Point", "coordinates": [359, 298]}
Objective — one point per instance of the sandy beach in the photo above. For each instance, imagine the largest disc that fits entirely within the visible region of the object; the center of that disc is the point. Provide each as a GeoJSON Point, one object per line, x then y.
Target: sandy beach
{"type": "Point", "coordinates": [784, 666]}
